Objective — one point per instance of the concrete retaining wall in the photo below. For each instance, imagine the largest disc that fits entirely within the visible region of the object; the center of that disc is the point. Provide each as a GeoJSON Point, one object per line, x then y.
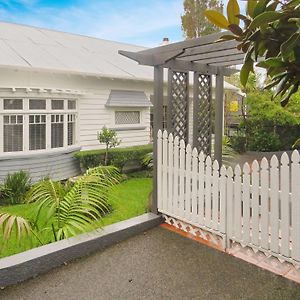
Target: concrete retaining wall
{"type": "Point", "coordinates": [28, 264]}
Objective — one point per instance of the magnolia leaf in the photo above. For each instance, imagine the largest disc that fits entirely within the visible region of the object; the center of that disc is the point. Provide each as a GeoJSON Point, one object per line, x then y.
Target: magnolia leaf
{"type": "Point", "coordinates": [250, 7]}
{"type": "Point", "coordinates": [286, 99]}
{"type": "Point", "coordinates": [288, 46]}
{"type": "Point", "coordinates": [245, 71]}
{"type": "Point", "coordinates": [233, 10]}
{"type": "Point", "coordinates": [275, 62]}
{"type": "Point", "coordinates": [217, 18]}
{"type": "Point", "coordinates": [260, 7]}
{"type": "Point", "coordinates": [235, 29]}
{"type": "Point", "coordinates": [265, 18]}
{"type": "Point", "coordinates": [281, 85]}
{"type": "Point", "coordinates": [272, 6]}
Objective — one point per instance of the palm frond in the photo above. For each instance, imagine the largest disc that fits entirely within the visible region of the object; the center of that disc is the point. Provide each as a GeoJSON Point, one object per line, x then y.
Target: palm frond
{"type": "Point", "coordinates": [8, 222]}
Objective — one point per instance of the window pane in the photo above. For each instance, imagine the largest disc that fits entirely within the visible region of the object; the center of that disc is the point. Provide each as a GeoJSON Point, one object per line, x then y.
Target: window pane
{"type": "Point", "coordinates": [71, 104]}
{"type": "Point", "coordinates": [37, 104]}
{"type": "Point", "coordinates": [13, 103]}
{"type": "Point", "coordinates": [71, 130]}
{"type": "Point", "coordinates": [12, 134]}
{"type": "Point", "coordinates": [37, 132]}
{"type": "Point", "coordinates": [57, 104]}
{"type": "Point", "coordinates": [57, 131]}
{"type": "Point", "coordinates": [127, 117]}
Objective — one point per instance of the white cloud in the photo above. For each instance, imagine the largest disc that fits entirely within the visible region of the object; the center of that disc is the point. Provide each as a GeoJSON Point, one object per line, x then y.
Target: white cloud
{"type": "Point", "coordinates": [125, 21]}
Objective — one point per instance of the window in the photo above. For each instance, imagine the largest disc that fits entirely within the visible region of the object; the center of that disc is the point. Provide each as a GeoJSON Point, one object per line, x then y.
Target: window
{"type": "Point", "coordinates": [37, 104]}
{"type": "Point", "coordinates": [127, 117]}
{"type": "Point", "coordinates": [13, 104]}
{"type": "Point", "coordinates": [57, 131]}
{"type": "Point", "coordinates": [37, 124]}
{"type": "Point", "coordinates": [71, 130]}
{"type": "Point", "coordinates": [57, 104]}
{"type": "Point", "coordinates": [37, 132]}
{"type": "Point", "coordinates": [13, 133]}
{"type": "Point", "coordinates": [71, 104]}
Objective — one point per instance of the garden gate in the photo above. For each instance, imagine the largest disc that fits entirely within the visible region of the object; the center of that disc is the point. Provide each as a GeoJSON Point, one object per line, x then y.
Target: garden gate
{"type": "Point", "coordinates": [257, 206]}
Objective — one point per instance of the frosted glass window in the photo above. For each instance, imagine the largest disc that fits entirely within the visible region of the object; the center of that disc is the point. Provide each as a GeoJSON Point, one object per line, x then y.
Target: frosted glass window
{"type": "Point", "coordinates": [12, 133]}
{"type": "Point", "coordinates": [127, 117]}
{"type": "Point", "coordinates": [57, 131]}
{"type": "Point", "coordinates": [13, 103]}
{"type": "Point", "coordinates": [37, 132]}
{"type": "Point", "coordinates": [71, 130]}
{"type": "Point", "coordinates": [57, 104]}
{"type": "Point", "coordinates": [37, 104]}
{"type": "Point", "coordinates": [71, 104]}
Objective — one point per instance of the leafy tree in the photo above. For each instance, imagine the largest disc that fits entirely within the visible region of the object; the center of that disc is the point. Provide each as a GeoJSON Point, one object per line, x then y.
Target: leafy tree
{"type": "Point", "coordinates": [193, 21]}
{"type": "Point", "coordinates": [270, 36]}
{"type": "Point", "coordinates": [70, 209]}
{"type": "Point", "coordinates": [109, 138]}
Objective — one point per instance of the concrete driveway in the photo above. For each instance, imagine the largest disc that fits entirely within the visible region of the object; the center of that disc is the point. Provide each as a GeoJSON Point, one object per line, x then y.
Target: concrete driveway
{"type": "Point", "coordinates": [158, 264]}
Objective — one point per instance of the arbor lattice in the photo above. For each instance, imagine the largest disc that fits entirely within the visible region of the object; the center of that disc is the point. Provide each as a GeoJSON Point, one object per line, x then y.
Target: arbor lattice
{"type": "Point", "coordinates": [178, 122]}
{"type": "Point", "coordinates": [202, 113]}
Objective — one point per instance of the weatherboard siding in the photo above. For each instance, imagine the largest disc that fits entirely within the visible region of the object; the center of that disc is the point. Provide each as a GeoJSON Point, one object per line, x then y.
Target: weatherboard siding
{"type": "Point", "coordinates": [58, 166]}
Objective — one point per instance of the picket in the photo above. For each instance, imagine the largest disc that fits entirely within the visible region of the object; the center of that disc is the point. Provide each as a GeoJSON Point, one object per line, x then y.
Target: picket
{"type": "Point", "coordinates": [257, 205]}
{"type": "Point", "coordinates": [284, 201]}
{"type": "Point", "coordinates": [201, 189]}
{"type": "Point", "coordinates": [295, 199]}
{"type": "Point", "coordinates": [207, 199]}
{"type": "Point", "coordinates": [170, 173]}
{"type": "Point", "coordinates": [246, 203]}
{"type": "Point", "coordinates": [264, 211]}
{"type": "Point", "coordinates": [274, 197]}
{"type": "Point", "coordinates": [194, 185]}
{"type": "Point", "coordinates": [215, 195]}
{"type": "Point", "coordinates": [188, 185]}
{"type": "Point", "coordinates": [255, 220]}
{"type": "Point", "coordinates": [176, 178]}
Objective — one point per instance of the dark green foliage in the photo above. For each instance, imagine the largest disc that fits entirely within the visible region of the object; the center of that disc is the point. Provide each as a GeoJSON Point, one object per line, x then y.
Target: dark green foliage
{"type": "Point", "coordinates": [238, 143]}
{"type": "Point", "coordinates": [264, 141]}
{"type": "Point", "coordinates": [268, 126]}
{"type": "Point", "coordinates": [15, 187]}
{"type": "Point", "coordinates": [117, 156]}
{"type": "Point", "coordinates": [270, 36]}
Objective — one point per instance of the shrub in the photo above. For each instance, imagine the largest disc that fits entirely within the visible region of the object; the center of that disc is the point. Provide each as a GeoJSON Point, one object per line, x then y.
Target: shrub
{"type": "Point", "coordinates": [238, 143]}
{"type": "Point", "coordinates": [264, 141]}
{"type": "Point", "coordinates": [117, 157]}
{"type": "Point", "coordinates": [15, 187]}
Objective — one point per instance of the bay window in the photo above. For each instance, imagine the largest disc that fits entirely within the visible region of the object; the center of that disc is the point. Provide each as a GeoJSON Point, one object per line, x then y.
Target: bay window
{"type": "Point", "coordinates": [37, 124]}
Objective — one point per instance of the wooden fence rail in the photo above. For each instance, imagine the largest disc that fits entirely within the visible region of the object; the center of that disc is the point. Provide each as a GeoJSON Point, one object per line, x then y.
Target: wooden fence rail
{"type": "Point", "coordinates": [256, 205]}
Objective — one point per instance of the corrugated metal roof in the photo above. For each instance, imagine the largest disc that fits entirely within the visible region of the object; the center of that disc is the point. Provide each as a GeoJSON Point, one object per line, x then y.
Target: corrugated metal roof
{"type": "Point", "coordinates": [119, 98]}
{"type": "Point", "coordinates": [29, 47]}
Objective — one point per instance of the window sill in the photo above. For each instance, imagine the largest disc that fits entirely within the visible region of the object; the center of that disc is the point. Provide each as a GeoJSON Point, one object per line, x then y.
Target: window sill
{"type": "Point", "coordinates": [39, 153]}
{"type": "Point", "coordinates": [129, 128]}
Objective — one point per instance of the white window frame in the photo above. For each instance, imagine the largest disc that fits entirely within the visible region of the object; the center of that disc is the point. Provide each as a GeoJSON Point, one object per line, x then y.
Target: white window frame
{"type": "Point", "coordinates": [48, 112]}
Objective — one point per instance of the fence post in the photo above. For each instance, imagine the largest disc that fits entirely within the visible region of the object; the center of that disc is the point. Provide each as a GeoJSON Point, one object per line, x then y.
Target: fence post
{"type": "Point", "coordinates": [157, 124]}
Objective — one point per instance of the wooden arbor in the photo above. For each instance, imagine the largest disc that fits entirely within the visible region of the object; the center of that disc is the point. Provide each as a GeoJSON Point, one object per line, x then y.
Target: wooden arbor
{"type": "Point", "coordinates": [204, 58]}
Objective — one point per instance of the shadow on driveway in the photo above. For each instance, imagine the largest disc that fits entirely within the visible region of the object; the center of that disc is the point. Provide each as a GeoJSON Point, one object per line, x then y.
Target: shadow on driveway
{"type": "Point", "coordinates": [156, 265]}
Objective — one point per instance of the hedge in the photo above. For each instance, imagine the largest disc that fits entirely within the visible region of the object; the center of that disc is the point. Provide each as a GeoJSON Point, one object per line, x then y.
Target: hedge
{"type": "Point", "coordinates": [116, 156]}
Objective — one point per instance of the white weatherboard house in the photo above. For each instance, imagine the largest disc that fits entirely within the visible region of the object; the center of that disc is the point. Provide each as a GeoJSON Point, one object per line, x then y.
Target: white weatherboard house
{"type": "Point", "coordinates": [57, 90]}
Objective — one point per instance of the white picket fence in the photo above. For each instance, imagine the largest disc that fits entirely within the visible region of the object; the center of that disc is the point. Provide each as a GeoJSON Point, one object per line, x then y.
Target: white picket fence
{"type": "Point", "coordinates": [257, 206]}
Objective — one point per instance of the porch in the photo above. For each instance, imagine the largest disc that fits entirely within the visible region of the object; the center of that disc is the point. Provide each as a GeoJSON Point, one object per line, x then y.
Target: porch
{"type": "Point", "coordinates": [157, 264]}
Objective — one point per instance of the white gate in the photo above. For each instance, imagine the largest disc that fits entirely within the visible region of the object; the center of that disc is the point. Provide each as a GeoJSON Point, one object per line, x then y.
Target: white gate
{"type": "Point", "coordinates": [257, 206]}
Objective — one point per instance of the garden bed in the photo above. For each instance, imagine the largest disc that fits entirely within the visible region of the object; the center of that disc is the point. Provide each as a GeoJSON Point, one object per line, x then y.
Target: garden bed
{"type": "Point", "coordinates": [128, 199]}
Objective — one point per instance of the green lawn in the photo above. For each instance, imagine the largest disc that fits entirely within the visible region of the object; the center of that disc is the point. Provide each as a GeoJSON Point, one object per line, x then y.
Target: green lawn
{"type": "Point", "coordinates": [128, 199]}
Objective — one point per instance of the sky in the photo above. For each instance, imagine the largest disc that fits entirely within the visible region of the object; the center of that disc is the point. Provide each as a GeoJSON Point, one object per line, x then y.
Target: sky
{"type": "Point", "coordinates": [139, 22]}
